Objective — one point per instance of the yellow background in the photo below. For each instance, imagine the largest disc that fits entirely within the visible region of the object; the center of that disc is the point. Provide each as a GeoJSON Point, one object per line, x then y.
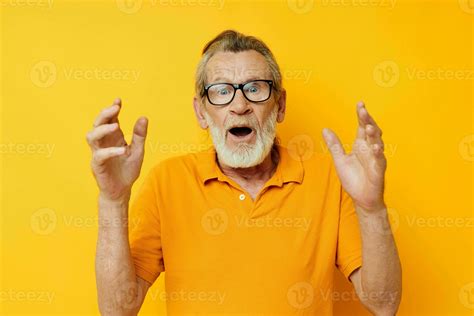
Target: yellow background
{"type": "Point", "coordinates": [55, 57]}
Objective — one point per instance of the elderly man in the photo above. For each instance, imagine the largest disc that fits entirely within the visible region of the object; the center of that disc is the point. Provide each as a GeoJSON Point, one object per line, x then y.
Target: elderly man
{"type": "Point", "coordinates": [245, 228]}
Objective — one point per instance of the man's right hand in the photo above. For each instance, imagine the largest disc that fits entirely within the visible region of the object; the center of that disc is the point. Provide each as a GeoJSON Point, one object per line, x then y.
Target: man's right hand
{"type": "Point", "coordinates": [115, 164]}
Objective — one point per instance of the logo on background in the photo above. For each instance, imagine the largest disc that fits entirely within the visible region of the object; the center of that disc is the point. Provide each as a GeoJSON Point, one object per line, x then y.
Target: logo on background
{"type": "Point", "coordinates": [43, 74]}
{"type": "Point", "coordinates": [394, 219]}
{"type": "Point", "coordinates": [215, 221]}
{"type": "Point", "coordinates": [301, 147]}
{"type": "Point", "coordinates": [466, 148]}
{"type": "Point", "coordinates": [391, 226]}
{"type": "Point", "coordinates": [300, 295]}
{"type": "Point", "coordinates": [301, 6]}
{"type": "Point", "coordinates": [386, 74]}
{"type": "Point", "coordinates": [129, 293]}
{"type": "Point", "coordinates": [466, 295]}
{"type": "Point", "coordinates": [43, 221]}
{"type": "Point", "coordinates": [467, 6]}
{"type": "Point", "coordinates": [129, 6]}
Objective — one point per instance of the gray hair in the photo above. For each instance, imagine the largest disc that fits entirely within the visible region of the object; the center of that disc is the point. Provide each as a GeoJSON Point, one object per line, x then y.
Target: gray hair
{"type": "Point", "coordinates": [233, 41]}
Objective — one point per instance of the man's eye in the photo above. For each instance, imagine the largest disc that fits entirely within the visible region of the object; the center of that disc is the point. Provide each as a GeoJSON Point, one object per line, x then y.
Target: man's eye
{"type": "Point", "coordinates": [253, 89]}
{"type": "Point", "coordinates": [223, 92]}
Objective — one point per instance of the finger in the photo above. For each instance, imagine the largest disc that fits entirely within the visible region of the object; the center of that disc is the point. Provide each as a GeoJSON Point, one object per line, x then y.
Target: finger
{"type": "Point", "coordinates": [361, 132]}
{"type": "Point", "coordinates": [140, 131]}
{"type": "Point", "coordinates": [379, 157]}
{"type": "Point", "coordinates": [361, 127]}
{"type": "Point", "coordinates": [373, 135]}
{"type": "Point", "coordinates": [364, 116]}
{"type": "Point", "coordinates": [378, 150]}
{"type": "Point", "coordinates": [100, 132]}
{"type": "Point", "coordinates": [333, 143]}
{"type": "Point", "coordinates": [376, 146]}
{"type": "Point", "coordinates": [101, 155]}
{"type": "Point", "coordinates": [108, 115]}
{"type": "Point", "coordinates": [118, 102]}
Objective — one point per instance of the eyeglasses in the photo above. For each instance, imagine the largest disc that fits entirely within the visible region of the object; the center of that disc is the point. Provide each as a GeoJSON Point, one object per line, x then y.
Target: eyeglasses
{"type": "Point", "coordinates": [223, 93]}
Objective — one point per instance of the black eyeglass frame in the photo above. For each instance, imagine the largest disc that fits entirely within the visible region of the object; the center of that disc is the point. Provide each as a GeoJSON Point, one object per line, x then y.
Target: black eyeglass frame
{"type": "Point", "coordinates": [237, 86]}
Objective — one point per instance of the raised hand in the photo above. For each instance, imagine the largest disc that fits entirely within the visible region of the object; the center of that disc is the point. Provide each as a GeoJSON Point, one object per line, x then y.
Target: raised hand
{"type": "Point", "coordinates": [361, 172]}
{"type": "Point", "coordinates": [115, 164]}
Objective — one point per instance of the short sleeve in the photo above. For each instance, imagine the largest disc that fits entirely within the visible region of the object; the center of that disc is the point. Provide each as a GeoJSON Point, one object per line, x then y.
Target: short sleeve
{"type": "Point", "coordinates": [145, 231]}
{"type": "Point", "coordinates": [349, 245]}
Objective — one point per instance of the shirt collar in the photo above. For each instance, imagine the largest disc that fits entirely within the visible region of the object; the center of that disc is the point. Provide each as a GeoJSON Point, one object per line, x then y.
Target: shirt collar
{"type": "Point", "coordinates": [288, 169]}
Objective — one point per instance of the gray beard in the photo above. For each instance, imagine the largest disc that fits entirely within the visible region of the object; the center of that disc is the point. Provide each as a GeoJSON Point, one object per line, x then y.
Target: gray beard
{"type": "Point", "coordinates": [245, 155]}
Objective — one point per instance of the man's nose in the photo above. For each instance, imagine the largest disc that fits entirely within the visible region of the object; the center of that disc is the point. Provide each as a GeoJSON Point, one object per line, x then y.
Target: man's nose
{"type": "Point", "coordinates": [240, 105]}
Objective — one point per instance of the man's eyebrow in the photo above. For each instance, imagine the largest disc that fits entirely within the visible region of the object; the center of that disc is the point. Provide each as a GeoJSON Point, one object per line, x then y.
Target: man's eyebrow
{"type": "Point", "coordinates": [221, 79]}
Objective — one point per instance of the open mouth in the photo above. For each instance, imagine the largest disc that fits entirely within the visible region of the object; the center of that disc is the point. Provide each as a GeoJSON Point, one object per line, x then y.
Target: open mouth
{"type": "Point", "coordinates": [240, 131]}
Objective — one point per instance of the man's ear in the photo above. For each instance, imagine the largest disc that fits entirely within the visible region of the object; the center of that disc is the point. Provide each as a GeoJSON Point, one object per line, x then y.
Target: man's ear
{"type": "Point", "coordinates": [281, 106]}
{"type": "Point", "coordinates": [198, 110]}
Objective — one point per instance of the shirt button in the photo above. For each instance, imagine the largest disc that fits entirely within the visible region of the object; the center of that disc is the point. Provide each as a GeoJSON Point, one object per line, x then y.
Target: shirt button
{"type": "Point", "coordinates": [242, 197]}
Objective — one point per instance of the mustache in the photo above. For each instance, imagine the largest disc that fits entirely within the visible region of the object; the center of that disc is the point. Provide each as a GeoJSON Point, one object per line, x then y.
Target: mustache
{"type": "Point", "coordinates": [239, 121]}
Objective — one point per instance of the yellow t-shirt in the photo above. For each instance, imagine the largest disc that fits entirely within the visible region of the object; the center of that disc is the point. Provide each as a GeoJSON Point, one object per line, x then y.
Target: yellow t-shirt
{"type": "Point", "coordinates": [226, 254]}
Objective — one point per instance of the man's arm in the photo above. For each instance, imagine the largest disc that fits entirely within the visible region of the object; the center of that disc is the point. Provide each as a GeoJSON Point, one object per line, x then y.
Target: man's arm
{"type": "Point", "coordinates": [362, 175]}
{"type": "Point", "coordinates": [116, 165]}
{"type": "Point", "coordinates": [378, 282]}
{"type": "Point", "coordinates": [120, 291]}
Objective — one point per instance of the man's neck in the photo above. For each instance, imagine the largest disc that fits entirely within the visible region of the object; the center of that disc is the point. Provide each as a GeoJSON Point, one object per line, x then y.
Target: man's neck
{"type": "Point", "coordinates": [257, 174]}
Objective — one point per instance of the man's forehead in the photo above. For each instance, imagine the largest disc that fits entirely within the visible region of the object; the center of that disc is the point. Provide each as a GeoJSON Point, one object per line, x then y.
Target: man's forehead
{"type": "Point", "coordinates": [237, 67]}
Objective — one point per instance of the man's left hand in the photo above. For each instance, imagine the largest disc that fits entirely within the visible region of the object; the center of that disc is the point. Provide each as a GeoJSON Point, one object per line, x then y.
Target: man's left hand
{"type": "Point", "coordinates": [362, 171]}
